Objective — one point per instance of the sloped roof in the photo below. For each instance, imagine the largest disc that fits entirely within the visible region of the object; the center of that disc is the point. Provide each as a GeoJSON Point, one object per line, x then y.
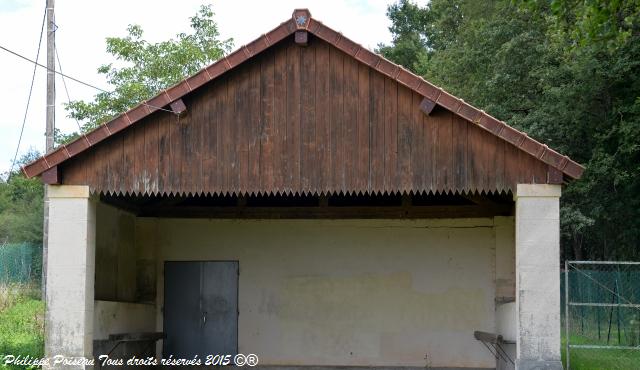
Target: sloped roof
{"type": "Point", "coordinates": [301, 20]}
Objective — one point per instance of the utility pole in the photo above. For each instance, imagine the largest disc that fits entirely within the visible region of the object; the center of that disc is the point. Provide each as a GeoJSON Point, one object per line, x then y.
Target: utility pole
{"type": "Point", "coordinates": [51, 74]}
{"type": "Point", "coordinates": [50, 122]}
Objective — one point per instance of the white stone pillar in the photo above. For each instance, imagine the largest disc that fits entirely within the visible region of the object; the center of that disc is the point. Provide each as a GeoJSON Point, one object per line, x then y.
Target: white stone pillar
{"type": "Point", "coordinates": [70, 273]}
{"type": "Point", "coordinates": [538, 277]}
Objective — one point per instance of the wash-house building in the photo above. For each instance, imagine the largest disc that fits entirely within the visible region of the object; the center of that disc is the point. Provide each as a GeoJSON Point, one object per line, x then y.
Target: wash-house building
{"type": "Point", "coordinates": [308, 201]}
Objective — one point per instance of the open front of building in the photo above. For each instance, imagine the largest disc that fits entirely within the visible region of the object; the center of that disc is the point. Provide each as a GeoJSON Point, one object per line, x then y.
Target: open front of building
{"type": "Point", "coordinates": [372, 292]}
{"type": "Point", "coordinates": [311, 203]}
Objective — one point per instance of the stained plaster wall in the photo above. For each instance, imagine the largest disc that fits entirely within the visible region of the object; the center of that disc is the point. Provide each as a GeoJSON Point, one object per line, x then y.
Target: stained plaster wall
{"type": "Point", "coordinates": [353, 292]}
{"type": "Point", "coordinates": [333, 292]}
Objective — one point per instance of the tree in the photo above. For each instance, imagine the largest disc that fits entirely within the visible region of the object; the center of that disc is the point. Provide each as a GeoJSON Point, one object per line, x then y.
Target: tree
{"type": "Point", "coordinates": [21, 206]}
{"type": "Point", "coordinates": [589, 21]}
{"type": "Point", "coordinates": [142, 69]}
{"type": "Point", "coordinates": [566, 72]}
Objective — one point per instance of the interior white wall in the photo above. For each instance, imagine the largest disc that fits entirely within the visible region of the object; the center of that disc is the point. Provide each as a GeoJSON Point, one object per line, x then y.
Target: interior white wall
{"type": "Point", "coordinates": [111, 317]}
{"type": "Point", "coordinates": [115, 254]}
{"type": "Point", "coordinates": [350, 292]}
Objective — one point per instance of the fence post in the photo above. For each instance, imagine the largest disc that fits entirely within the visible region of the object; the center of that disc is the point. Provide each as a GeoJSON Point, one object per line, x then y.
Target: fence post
{"type": "Point", "coordinates": [566, 308]}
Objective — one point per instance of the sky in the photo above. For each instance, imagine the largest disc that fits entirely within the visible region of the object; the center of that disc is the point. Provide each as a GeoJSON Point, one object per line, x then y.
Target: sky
{"type": "Point", "coordinates": [83, 26]}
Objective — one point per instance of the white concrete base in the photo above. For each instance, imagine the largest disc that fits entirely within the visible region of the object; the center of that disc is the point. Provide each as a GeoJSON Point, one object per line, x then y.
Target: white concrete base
{"type": "Point", "coordinates": [70, 273]}
{"type": "Point", "coordinates": [538, 276]}
{"type": "Point", "coordinates": [523, 364]}
{"type": "Point", "coordinates": [506, 321]}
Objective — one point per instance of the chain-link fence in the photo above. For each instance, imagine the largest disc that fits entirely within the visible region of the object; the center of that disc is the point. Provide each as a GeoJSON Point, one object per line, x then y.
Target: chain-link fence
{"type": "Point", "coordinates": [20, 263]}
{"type": "Point", "coordinates": [602, 312]}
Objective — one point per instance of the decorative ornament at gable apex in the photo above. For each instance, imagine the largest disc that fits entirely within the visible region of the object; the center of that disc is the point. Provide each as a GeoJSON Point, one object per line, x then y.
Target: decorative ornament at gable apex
{"type": "Point", "coordinates": [301, 17]}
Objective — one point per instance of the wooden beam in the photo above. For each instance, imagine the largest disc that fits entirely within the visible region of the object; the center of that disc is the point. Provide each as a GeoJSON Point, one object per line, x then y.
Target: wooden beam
{"type": "Point", "coordinates": [51, 176]}
{"type": "Point", "coordinates": [427, 105]}
{"type": "Point", "coordinates": [242, 201]}
{"type": "Point", "coordinates": [302, 38]}
{"type": "Point", "coordinates": [121, 204]}
{"type": "Point", "coordinates": [412, 212]}
{"type": "Point", "coordinates": [479, 199]}
{"type": "Point", "coordinates": [323, 201]}
{"type": "Point", "coordinates": [178, 106]}
{"type": "Point", "coordinates": [554, 176]}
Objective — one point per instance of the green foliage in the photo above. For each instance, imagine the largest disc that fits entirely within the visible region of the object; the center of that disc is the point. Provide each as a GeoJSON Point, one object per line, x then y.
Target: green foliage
{"type": "Point", "coordinates": [409, 46]}
{"type": "Point", "coordinates": [565, 71]}
{"type": "Point", "coordinates": [143, 69]}
{"type": "Point", "coordinates": [21, 324]}
{"type": "Point", "coordinates": [20, 263]}
{"type": "Point", "coordinates": [588, 21]}
{"type": "Point", "coordinates": [21, 203]}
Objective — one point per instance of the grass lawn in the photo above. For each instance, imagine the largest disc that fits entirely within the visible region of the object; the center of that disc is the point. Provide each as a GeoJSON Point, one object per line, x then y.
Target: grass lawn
{"type": "Point", "coordinates": [600, 359]}
{"type": "Point", "coordinates": [22, 333]}
{"type": "Point", "coordinates": [21, 323]}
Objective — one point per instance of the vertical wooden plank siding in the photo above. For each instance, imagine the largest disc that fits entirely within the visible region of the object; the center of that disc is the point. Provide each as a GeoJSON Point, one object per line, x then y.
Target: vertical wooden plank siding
{"type": "Point", "coordinates": [404, 136]}
{"type": "Point", "coordinates": [308, 158]}
{"type": "Point", "coordinates": [416, 145]}
{"type": "Point", "coordinates": [253, 126]}
{"type": "Point", "coordinates": [459, 155]}
{"type": "Point", "coordinates": [391, 136]}
{"type": "Point", "coordinates": [164, 156]}
{"type": "Point", "coordinates": [363, 145]}
{"type": "Point", "coordinates": [139, 165]}
{"type": "Point", "coordinates": [303, 120]}
{"type": "Point", "coordinates": [292, 181]}
{"type": "Point", "coordinates": [350, 124]}
{"type": "Point", "coordinates": [242, 137]}
{"type": "Point", "coordinates": [430, 141]}
{"type": "Point", "coordinates": [322, 133]}
{"type": "Point", "coordinates": [267, 130]}
{"type": "Point", "coordinates": [443, 142]}
{"type": "Point", "coordinates": [376, 133]}
{"type": "Point", "coordinates": [150, 170]}
{"type": "Point", "coordinates": [280, 158]}
{"type": "Point", "coordinates": [336, 108]}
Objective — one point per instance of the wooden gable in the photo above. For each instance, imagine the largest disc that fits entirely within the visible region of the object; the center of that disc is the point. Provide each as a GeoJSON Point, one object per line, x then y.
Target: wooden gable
{"type": "Point", "coordinates": [309, 115]}
{"type": "Point", "coordinates": [303, 120]}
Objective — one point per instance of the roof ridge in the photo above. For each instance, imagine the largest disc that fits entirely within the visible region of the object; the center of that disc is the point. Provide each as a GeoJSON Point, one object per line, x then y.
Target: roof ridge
{"type": "Point", "coordinates": [301, 19]}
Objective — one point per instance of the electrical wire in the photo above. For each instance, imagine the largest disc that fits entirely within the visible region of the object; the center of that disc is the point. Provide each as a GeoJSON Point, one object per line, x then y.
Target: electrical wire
{"type": "Point", "coordinates": [26, 111]}
{"type": "Point", "coordinates": [75, 79]}
{"type": "Point", "coordinates": [64, 82]}
{"type": "Point", "coordinates": [35, 65]}
{"type": "Point", "coordinates": [54, 71]}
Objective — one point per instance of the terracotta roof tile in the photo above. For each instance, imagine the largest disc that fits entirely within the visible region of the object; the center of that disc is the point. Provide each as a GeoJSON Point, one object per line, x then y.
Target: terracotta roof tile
{"type": "Point", "coordinates": [118, 124]}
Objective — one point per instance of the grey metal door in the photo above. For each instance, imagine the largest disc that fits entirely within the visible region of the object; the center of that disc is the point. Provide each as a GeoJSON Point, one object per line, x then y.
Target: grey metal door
{"type": "Point", "coordinates": [200, 308]}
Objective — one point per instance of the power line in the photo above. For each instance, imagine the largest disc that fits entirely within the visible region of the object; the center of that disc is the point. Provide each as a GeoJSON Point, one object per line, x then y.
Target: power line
{"type": "Point", "coordinates": [35, 65]}
{"type": "Point", "coordinates": [45, 67]}
{"type": "Point", "coordinates": [64, 82]}
{"type": "Point", "coordinates": [33, 78]}
{"type": "Point", "coordinates": [76, 80]}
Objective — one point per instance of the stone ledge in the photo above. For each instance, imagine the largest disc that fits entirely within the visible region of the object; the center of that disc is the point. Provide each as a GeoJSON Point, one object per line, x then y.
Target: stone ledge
{"type": "Point", "coordinates": [68, 191]}
{"type": "Point", "coordinates": [537, 190]}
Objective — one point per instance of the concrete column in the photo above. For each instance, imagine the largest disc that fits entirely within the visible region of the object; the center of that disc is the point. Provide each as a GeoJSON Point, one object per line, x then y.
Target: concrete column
{"type": "Point", "coordinates": [538, 277]}
{"type": "Point", "coordinates": [70, 273]}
